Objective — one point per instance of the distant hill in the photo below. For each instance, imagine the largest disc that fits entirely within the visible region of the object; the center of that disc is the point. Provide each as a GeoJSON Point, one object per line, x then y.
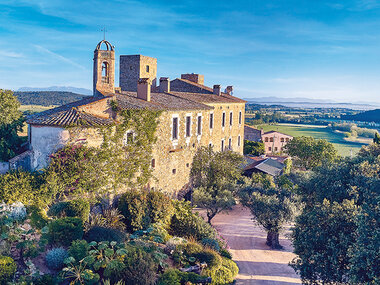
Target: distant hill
{"type": "Point", "coordinates": [76, 90]}
{"type": "Point", "coordinates": [368, 116]}
{"type": "Point", "coordinates": [273, 99]}
{"type": "Point", "coordinates": [47, 98]}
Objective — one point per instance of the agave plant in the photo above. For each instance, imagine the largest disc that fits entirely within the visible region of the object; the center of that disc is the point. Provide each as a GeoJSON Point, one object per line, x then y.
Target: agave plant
{"type": "Point", "coordinates": [111, 218]}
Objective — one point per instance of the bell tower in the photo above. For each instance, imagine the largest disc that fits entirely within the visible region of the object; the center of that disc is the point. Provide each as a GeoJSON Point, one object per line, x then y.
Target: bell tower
{"type": "Point", "coordinates": [104, 69]}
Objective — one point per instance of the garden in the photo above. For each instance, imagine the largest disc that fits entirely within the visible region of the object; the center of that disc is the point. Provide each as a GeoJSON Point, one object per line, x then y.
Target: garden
{"type": "Point", "coordinates": [142, 237]}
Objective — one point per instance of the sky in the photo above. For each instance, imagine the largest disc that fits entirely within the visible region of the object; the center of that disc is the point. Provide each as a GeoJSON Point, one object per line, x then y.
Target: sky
{"type": "Point", "coordinates": [321, 49]}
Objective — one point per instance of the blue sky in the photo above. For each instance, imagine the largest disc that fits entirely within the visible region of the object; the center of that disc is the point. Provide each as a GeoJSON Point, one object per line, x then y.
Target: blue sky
{"type": "Point", "coordinates": [310, 48]}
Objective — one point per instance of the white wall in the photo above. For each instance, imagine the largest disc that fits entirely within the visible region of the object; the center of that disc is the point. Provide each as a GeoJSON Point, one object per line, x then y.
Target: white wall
{"type": "Point", "coordinates": [44, 142]}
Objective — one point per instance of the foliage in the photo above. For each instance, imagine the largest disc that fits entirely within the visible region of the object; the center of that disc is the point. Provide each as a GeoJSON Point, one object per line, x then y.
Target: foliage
{"type": "Point", "coordinates": [79, 208]}
{"type": "Point", "coordinates": [99, 234]}
{"type": "Point", "coordinates": [337, 234]}
{"type": "Point", "coordinates": [47, 98]}
{"type": "Point", "coordinates": [192, 248]}
{"type": "Point", "coordinates": [170, 277]}
{"type": "Point", "coordinates": [54, 258]}
{"type": "Point", "coordinates": [210, 257]}
{"type": "Point", "coordinates": [213, 175]}
{"type": "Point", "coordinates": [133, 206]}
{"type": "Point", "coordinates": [211, 243]}
{"type": "Point", "coordinates": [64, 230]}
{"type": "Point", "coordinates": [185, 223]}
{"type": "Point", "coordinates": [24, 187]}
{"type": "Point", "coordinates": [376, 139]}
{"type": "Point", "coordinates": [254, 148]}
{"type": "Point", "coordinates": [11, 122]}
{"type": "Point", "coordinates": [309, 152]}
{"type": "Point", "coordinates": [79, 274]}
{"type": "Point", "coordinates": [225, 253]}
{"type": "Point", "coordinates": [8, 268]}
{"type": "Point", "coordinates": [270, 205]}
{"type": "Point", "coordinates": [79, 249]}
{"type": "Point", "coordinates": [38, 217]}
{"type": "Point", "coordinates": [224, 274]}
{"type": "Point", "coordinates": [160, 207]}
{"type": "Point", "coordinates": [109, 218]}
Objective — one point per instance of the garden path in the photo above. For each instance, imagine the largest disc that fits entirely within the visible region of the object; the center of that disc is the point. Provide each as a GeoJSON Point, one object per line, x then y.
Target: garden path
{"type": "Point", "coordinates": [258, 264]}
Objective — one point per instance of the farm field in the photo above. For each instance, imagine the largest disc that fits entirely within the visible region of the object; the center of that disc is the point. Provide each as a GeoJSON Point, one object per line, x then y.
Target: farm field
{"type": "Point", "coordinates": [319, 132]}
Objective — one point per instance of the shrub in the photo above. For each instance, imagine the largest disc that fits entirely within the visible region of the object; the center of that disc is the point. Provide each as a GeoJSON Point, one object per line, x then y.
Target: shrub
{"type": "Point", "coordinates": [8, 268]}
{"type": "Point", "coordinates": [159, 233]}
{"type": "Point", "coordinates": [225, 274]}
{"type": "Point", "coordinates": [38, 217]}
{"type": "Point", "coordinates": [160, 207]}
{"type": "Point", "coordinates": [211, 243]}
{"type": "Point", "coordinates": [79, 249]}
{"type": "Point", "coordinates": [170, 277]}
{"type": "Point", "coordinates": [225, 253]}
{"type": "Point", "coordinates": [64, 230]}
{"type": "Point", "coordinates": [75, 208]}
{"type": "Point", "coordinates": [192, 248]}
{"type": "Point", "coordinates": [133, 205]}
{"type": "Point", "coordinates": [114, 270]}
{"type": "Point", "coordinates": [185, 223]}
{"type": "Point", "coordinates": [140, 268]}
{"type": "Point", "coordinates": [46, 279]}
{"type": "Point", "coordinates": [99, 234]}
{"type": "Point", "coordinates": [55, 258]}
{"type": "Point", "coordinates": [211, 257]}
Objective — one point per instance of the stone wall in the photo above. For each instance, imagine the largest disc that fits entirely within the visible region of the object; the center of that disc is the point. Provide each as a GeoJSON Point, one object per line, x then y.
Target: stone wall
{"type": "Point", "coordinates": [252, 134]}
{"type": "Point", "coordinates": [104, 84]}
{"type": "Point", "coordinates": [4, 167]}
{"type": "Point", "coordinates": [133, 67]}
{"type": "Point", "coordinates": [197, 78]}
{"type": "Point", "coordinates": [274, 142]}
{"type": "Point", "coordinates": [181, 86]}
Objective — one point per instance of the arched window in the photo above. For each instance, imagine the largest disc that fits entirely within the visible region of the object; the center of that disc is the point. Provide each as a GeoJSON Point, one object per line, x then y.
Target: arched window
{"type": "Point", "coordinates": [266, 139]}
{"type": "Point", "coordinates": [282, 139]}
{"type": "Point", "coordinates": [271, 139]}
{"type": "Point", "coordinates": [105, 72]}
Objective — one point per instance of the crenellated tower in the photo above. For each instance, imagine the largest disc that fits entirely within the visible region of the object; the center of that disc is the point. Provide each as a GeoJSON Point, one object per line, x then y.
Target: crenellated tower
{"type": "Point", "coordinates": [104, 69]}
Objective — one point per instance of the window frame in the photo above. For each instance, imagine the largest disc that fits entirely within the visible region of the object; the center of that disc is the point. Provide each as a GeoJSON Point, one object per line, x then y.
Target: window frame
{"type": "Point", "coordinates": [231, 118]}
{"type": "Point", "coordinates": [199, 124]}
{"type": "Point", "coordinates": [175, 131]}
{"type": "Point", "coordinates": [188, 126]}
{"type": "Point", "coordinates": [223, 119]}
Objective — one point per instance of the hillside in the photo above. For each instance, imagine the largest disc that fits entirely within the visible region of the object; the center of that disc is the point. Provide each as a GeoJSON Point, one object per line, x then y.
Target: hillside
{"type": "Point", "coordinates": [47, 98]}
{"type": "Point", "coordinates": [368, 116]}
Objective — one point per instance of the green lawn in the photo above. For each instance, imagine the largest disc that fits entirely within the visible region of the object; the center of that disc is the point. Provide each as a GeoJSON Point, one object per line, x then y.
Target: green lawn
{"type": "Point", "coordinates": [319, 132]}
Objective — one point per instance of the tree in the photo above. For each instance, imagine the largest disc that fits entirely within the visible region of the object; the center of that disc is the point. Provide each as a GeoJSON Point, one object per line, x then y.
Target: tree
{"type": "Point", "coordinates": [376, 139]}
{"type": "Point", "coordinates": [254, 148]}
{"type": "Point", "coordinates": [309, 152]}
{"type": "Point", "coordinates": [11, 122]}
{"type": "Point", "coordinates": [337, 235]}
{"type": "Point", "coordinates": [272, 206]}
{"type": "Point", "coordinates": [213, 175]}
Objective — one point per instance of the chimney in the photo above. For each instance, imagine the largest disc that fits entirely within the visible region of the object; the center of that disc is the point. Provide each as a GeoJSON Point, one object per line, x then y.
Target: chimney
{"type": "Point", "coordinates": [164, 84]}
{"type": "Point", "coordinates": [143, 88]}
{"type": "Point", "coordinates": [194, 77]}
{"type": "Point", "coordinates": [217, 90]}
{"type": "Point", "coordinates": [229, 90]}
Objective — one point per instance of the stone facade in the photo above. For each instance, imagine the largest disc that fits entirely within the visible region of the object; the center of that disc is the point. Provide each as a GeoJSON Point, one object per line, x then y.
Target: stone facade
{"type": "Point", "coordinates": [275, 141]}
{"type": "Point", "coordinates": [134, 67]}
{"type": "Point", "coordinates": [194, 77]}
{"type": "Point", "coordinates": [252, 134]}
{"type": "Point", "coordinates": [104, 69]}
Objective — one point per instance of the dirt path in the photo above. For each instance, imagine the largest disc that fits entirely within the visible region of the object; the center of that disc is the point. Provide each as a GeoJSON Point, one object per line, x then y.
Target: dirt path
{"type": "Point", "coordinates": [258, 264]}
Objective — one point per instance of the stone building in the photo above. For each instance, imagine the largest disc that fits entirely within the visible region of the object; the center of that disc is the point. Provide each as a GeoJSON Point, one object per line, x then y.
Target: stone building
{"type": "Point", "coordinates": [193, 115]}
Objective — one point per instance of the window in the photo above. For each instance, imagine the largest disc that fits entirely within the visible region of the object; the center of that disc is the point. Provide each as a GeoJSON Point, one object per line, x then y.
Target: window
{"type": "Point", "coordinates": [105, 78]}
{"type": "Point", "coordinates": [223, 119]}
{"type": "Point", "coordinates": [230, 144]}
{"type": "Point", "coordinates": [287, 139]}
{"type": "Point", "coordinates": [222, 145]}
{"type": "Point", "coordinates": [275, 148]}
{"type": "Point", "coordinates": [266, 139]}
{"type": "Point", "coordinates": [175, 128]}
{"type": "Point", "coordinates": [187, 164]}
{"type": "Point", "coordinates": [131, 67]}
{"type": "Point", "coordinates": [211, 120]}
{"type": "Point", "coordinates": [271, 139]}
{"type": "Point", "coordinates": [239, 140]}
{"type": "Point", "coordinates": [230, 118]}
{"type": "Point", "coordinates": [282, 139]}
{"type": "Point", "coordinates": [147, 68]}
{"type": "Point", "coordinates": [199, 126]}
{"type": "Point", "coordinates": [269, 148]}
{"type": "Point", "coordinates": [128, 138]}
{"type": "Point", "coordinates": [188, 126]}
{"type": "Point", "coordinates": [174, 171]}
{"type": "Point", "coordinates": [240, 117]}
{"type": "Point", "coordinates": [153, 163]}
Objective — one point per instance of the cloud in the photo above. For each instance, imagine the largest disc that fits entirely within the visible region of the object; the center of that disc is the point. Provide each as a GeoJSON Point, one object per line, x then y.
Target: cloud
{"type": "Point", "coordinates": [12, 54]}
{"type": "Point", "coordinates": [58, 56]}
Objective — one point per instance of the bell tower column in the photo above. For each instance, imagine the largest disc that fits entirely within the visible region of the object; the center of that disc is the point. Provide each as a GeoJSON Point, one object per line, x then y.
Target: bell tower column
{"type": "Point", "coordinates": [104, 69]}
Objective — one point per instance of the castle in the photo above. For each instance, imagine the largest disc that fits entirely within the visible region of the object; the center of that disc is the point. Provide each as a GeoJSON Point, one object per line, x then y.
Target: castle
{"type": "Point", "coordinates": [192, 115]}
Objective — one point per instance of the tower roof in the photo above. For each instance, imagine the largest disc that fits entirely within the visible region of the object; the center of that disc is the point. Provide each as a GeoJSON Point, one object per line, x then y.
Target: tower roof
{"type": "Point", "coordinates": [107, 44]}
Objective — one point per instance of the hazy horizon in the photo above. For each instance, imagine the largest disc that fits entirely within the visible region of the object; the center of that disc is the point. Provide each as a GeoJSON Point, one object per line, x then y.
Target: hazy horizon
{"type": "Point", "coordinates": [309, 49]}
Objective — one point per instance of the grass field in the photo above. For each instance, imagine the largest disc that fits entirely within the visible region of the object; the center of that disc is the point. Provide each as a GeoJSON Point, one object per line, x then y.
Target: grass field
{"type": "Point", "coordinates": [34, 108]}
{"type": "Point", "coordinates": [319, 132]}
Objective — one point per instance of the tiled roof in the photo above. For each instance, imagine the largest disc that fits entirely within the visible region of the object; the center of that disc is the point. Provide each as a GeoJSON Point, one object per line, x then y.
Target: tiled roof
{"type": "Point", "coordinates": [251, 129]}
{"type": "Point", "coordinates": [69, 118]}
{"type": "Point", "coordinates": [208, 95]}
{"type": "Point", "coordinates": [270, 166]}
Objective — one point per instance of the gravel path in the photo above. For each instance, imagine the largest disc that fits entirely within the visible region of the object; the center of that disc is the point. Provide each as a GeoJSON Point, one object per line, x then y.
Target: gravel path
{"type": "Point", "coordinates": [258, 264]}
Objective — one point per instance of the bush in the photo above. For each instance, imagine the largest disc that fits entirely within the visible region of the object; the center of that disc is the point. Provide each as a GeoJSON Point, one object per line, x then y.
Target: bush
{"type": "Point", "coordinates": [225, 274]}
{"type": "Point", "coordinates": [38, 217]}
{"type": "Point", "coordinates": [159, 233]}
{"type": "Point", "coordinates": [225, 253]}
{"type": "Point", "coordinates": [133, 206]}
{"type": "Point", "coordinates": [114, 270]}
{"type": "Point", "coordinates": [185, 223]}
{"type": "Point", "coordinates": [8, 268]}
{"type": "Point", "coordinates": [160, 207]}
{"type": "Point", "coordinates": [79, 249]}
{"type": "Point", "coordinates": [75, 208]}
{"type": "Point", "coordinates": [46, 279]}
{"type": "Point", "coordinates": [211, 243]}
{"type": "Point", "coordinates": [99, 234]}
{"type": "Point", "coordinates": [192, 248]}
{"type": "Point", "coordinates": [211, 257]}
{"type": "Point", "coordinates": [170, 277]}
{"type": "Point", "coordinates": [55, 258]}
{"type": "Point", "coordinates": [64, 230]}
{"type": "Point", "coordinates": [140, 268]}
